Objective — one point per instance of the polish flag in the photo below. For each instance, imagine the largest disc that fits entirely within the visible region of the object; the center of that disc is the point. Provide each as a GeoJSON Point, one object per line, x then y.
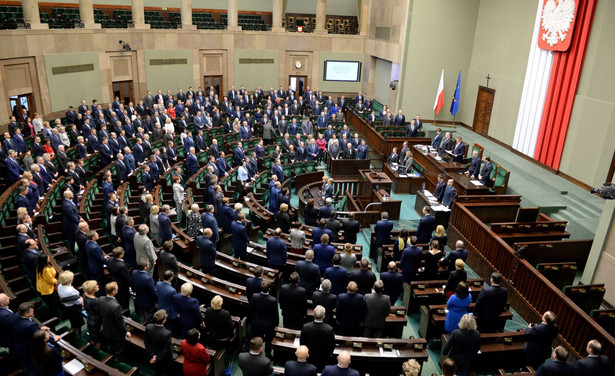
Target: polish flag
{"type": "Point", "coordinates": [439, 95]}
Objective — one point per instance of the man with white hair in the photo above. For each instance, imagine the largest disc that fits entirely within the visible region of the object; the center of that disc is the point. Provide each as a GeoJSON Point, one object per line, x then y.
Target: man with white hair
{"type": "Point", "coordinates": [144, 248]}
{"type": "Point", "coordinates": [319, 336]}
{"type": "Point", "coordinates": [341, 368]}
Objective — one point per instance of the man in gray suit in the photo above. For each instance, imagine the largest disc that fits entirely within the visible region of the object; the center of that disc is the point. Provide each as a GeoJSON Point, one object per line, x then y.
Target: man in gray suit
{"type": "Point", "coordinates": [268, 133]}
{"type": "Point", "coordinates": [307, 127]}
{"type": "Point", "coordinates": [144, 247]}
{"type": "Point", "coordinates": [378, 308]}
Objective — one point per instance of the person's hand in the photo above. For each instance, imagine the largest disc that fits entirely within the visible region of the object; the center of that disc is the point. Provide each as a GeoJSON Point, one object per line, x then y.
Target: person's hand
{"type": "Point", "coordinates": [153, 360]}
{"type": "Point", "coordinates": [57, 338]}
{"type": "Point", "coordinates": [44, 328]}
{"type": "Point", "coordinates": [128, 335]}
{"type": "Point", "coordinates": [467, 173]}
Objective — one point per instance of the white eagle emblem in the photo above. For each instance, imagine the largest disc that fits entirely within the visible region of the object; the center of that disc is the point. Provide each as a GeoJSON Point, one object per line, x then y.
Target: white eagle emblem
{"type": "Point", "coordinates": [556, 19]}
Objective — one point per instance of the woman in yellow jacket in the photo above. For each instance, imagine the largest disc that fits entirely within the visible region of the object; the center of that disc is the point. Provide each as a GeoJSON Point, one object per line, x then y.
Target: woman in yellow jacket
{"type": "Point", "coordinates": [46, 282]}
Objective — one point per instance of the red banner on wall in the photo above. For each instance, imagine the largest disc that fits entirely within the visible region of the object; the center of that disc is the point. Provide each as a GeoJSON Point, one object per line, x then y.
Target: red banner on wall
{"type": "Point", "coordinates": [557, 24]}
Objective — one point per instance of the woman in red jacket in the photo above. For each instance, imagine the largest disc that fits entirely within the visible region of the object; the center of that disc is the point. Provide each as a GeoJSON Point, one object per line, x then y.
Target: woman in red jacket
{"type": "Point", "coordinates": [322, 145]}
{"type": "Point", "coordinates": [196, 357]}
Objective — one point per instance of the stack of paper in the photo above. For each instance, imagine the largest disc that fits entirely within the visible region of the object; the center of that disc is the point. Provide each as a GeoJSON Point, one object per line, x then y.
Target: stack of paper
{"type": "Point", "coordinates": [74, 366]}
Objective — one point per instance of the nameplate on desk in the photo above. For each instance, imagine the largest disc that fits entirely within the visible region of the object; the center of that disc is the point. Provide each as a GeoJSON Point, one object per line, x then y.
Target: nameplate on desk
{"type": "Point", "coordinates": [508, 340]}
{"type": "Point", "coordinates": [418, 347]}
{"type": "Point", "coordinates": [236, 264]}
{"type": "Point", "coordinates": [401, 312]}
{"type": "Point", "coordinates": [420, 287]}
{"type": "Point", "coordinates": [440, 311]}
{"type": "Point", "coordinates": [251, 269]}
{"type": "Point", "coordinates": [271, 274]}
{"type": "Point", "coordinates": [231, 289]}
{"type": "Point", "coordinates": [477, 283]}
{"type": "Point", "coordinates": [189, 273]}
{"type": "Point", "coordinates": [177, 348]}
{"type": "Point", "coordinates": [204, 280]}
{"type": "Point", "coordinates": [357, 345]}
{"type": "Point", "coordinates": [280, 335]}
{"type": "Point", "coordinates": [388, 346]}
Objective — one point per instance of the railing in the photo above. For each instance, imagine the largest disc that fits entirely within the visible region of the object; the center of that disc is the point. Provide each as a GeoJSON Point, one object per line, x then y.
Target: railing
{"type": "Point", "coordinates": [536, 293]}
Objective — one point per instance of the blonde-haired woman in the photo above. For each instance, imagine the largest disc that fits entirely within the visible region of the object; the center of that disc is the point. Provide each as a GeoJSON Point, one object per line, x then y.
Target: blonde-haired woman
{"type": "Point", "coordinates": [349, 259]}
{"type": "Point", "coordinates": [283, 218]}
{"type": "Point", "coordinates": [463, 344]}
{"type": "Point", "coordinates": [219, 324]}
{"type": "Point", "coordinates": [193, 222]}
{"type": "Point", "coordinates": [72, 303]}
{"type": "Point", "coordinates": [188, 309]}
{"type": "Point", "coordinates": [411, 368]}
{"type": "Point", "coordinates": [440, 236]}
{"type": "Point", "coordinates": [154, 227]}
{"type": "Point", "coordinates": [90, 304]}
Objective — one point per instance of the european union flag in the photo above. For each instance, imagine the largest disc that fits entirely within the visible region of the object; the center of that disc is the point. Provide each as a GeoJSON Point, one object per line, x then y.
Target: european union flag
{"type": "Point", "coordinates": [455, 104]}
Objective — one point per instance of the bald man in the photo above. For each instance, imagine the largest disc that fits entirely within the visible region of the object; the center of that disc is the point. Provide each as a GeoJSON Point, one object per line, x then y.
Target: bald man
{"type": "Point", "coordinates": [300, 367]}
{"type": "Point", "coordinates": [341, 368]}
{"type": "Point", "coordinates": [7, 319]}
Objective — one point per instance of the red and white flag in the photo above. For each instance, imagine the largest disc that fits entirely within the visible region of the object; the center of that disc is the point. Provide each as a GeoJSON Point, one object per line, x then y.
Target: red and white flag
{"type": "Point", "coordinates": [439, 95]}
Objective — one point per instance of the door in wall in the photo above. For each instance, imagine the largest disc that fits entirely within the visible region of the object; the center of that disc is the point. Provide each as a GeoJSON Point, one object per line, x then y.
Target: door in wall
{"type": "Point", "coordinates": [482, 112]}
{"type": "Point", "coordinates": [123, 90]}
{"type": "Point", "coordinates": [22, 107]}
{"type": "Point", "coordinates": [298, 84]}
{"type": "Point", "coordinates": [217, 82]}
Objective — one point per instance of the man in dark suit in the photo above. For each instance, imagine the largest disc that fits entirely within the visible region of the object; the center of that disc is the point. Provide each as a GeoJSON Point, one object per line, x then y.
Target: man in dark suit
{"type": "Point", "coordinates": [277, 252]}
{"type": "Point", "coordinates": [157, 341]}
{"type": "Point", "coordinates": [350, 311]}
{"type": "Point", "coordinates": [300, 367]}
{"type": "Point", "coordinates": [240, 237]}
{"type": "Point", "coordinates": [165, 224]}
{"type": "Point", "coordinates": [490, 303]}
{"type": "Point", "coordinates": [333, 224]}
{"type": "Point", "coordinates": [208, 251]}
{"type": "Point", "coordinates": [558, 366]}
{"type": "Point", "coordinates": [351, 228]}
{"type": "Point", "coordinates": [252, 363]}
{"type": "Point", "coordinates": [447, 143]}
{"type": "Point", "coordinates": [440, 187]}
{"type": "Point", "coordinates": [410, 262]}
{"type": "Point", "coordinates": [364, 277]}
{"type": "Point", "coordinates": [293, 303]}
{"type": "Point", "coordinates": [145, 290]}
{"type": "Point", "coordinates": [253, 284]}
{"type": "Point", "coordinates": [7, 321]}
{"type": "Point", "coordinates": [435, 142]}
{"type": "Point", "coordinates": [341, 368]}
{"type": "Point", "coordinates": [378, 308]}
{"type": "Point", "coordinates": [119, 273]}
{"type": "Point", "coordinates": [485, 173]}
{"type": "Point", "coordinates": [400, 118]}
{"type": "Point", "coordinates": [411, 129]}
{"type": "Point", "coordinates": [383, 230]}
{"type": "Point", "coordinates": [319, 337]}
{"type": "Point", "coordinates": [540, 339]}
{"type": "Point", "coordinates": [449, 194]}
{"type": "Point", "coordinates": [114, 329]}
{"type": "Point", "coordinates": [594, 364]}
{"type": "Point", "coordinates": [70, 218]}
{"type": "Point", "coordinates": [393, 282]}
{"type": "Point", "coordinates": [459, 151]}
{"type": "Point", "coordinates": [323, 253]}
{"type": "Point", "coordinates": [264, 313]}
{"type": "Point", "coordinates": [96, 258]}
{"type": "Point", "coordinates": [30, 258]}
{"type": "Point", "coordinates": [426, 226]}
{"type": "Point", "coordinates": [474, 167]}
{"type": "Point", "coordinates": [166, 300]}
{"type": "Point", "coordinates": [22, 330]}
{"type": "Point", "coordinates": [337, 275]}
{"type": "Point", "coordinates": [309, 273]}
{"type": "Point", "coordinates": [168, 259]}
{"type": "Point", "coordinates": [324, 298]}
{"type": "Point", "coordinates": [458, 253]}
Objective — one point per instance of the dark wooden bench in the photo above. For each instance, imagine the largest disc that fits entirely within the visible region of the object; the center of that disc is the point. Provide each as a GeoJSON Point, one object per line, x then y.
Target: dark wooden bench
{"type": "Point", "coordinates": [559, 273]}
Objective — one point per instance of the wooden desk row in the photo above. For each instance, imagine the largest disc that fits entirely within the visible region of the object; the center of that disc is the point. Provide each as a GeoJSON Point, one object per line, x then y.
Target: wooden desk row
{"type": "Point", "coordinates": [378, 356]}
{"type": "Point", "coordinates": [433, 317]}
{"type": "Point", "coordinates": [427, 293]}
